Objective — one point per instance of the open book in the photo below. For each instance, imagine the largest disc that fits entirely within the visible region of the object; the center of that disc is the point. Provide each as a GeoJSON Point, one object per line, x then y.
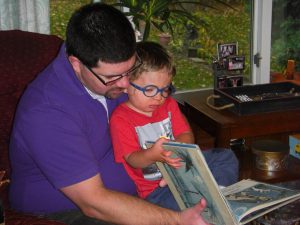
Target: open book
{"type": "Point", "coordinates": [236, 204]}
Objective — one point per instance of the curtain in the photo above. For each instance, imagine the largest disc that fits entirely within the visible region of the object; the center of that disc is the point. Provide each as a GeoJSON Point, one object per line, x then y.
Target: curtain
{"type": "Point", "coordinates": [27, 15]}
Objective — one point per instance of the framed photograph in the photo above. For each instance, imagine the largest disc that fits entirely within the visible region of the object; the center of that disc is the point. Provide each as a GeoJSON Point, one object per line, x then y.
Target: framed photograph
{"type": "Point", "coordinates": [235, 63]}
{"type": "Point", "coordinates": [227, 49]}
{"type": "Point", "coordinates": [234, 81]}
{"type": "Point", "coordinates": [220, 82]}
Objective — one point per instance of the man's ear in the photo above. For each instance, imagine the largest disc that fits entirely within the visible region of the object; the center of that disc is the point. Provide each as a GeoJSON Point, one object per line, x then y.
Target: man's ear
{"type": "Point", "coordinates": [76, 64]}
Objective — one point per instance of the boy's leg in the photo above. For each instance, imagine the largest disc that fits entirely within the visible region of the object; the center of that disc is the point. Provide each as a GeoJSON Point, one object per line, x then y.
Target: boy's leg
{"type": "Point", "coordinates": [163, 197]}
{"type": "Point", "coordinates": [74, 217]}
{"type": "Point", "coordinates": [223, 165]}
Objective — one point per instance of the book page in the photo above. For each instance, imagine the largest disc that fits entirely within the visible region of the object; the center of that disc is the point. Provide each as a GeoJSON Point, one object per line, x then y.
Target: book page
{"type": "Point", "coordinates": [250, 199]}
{"type": "Point", "coordinates": [193, 181]}
{"type": "Point", "coordinates": [237, 204]}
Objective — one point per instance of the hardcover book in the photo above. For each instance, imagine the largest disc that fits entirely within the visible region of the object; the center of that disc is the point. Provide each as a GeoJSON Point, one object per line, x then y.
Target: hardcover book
{"type": "Point", "coordinates": [237, 204]}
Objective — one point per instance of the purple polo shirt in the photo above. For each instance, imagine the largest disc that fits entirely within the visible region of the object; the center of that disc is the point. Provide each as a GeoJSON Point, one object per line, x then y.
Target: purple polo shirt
{"type": "Point", "coordinates": [60, 137]}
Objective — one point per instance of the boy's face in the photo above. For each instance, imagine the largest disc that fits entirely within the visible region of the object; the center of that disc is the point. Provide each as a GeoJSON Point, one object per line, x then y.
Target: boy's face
{"type": "Point", "coordinates": [138, 101]}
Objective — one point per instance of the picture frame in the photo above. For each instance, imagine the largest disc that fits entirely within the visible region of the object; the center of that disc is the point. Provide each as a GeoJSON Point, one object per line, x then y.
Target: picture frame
{"type": "Point", "coordinates": [235, 62]}
{"type": "Point", "coordinates": [226, 81]}
{"type": "Point", "coordinates": [227, 49]}
{"type": "Point", "coordinates": [221, 82]}
{"type": "Point", "coordinates": [234, 81]}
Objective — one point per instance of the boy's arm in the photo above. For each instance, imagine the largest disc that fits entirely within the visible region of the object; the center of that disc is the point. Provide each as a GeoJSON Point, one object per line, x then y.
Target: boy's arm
{"type": "Point", "coordinates": [139, 159]}
{"type": "Point", "coordinates": [144, 158]}
{"type": "Point", "coordinates": [180, 124]}
{"type": "Point", "coordinates": [186, 137]}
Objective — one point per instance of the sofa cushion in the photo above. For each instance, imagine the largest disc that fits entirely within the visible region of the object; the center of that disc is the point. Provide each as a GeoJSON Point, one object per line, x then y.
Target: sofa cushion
{"type": "Point", "coordinates": [22, 56]}
{"type": "Point", "coordinates": [8, 104]}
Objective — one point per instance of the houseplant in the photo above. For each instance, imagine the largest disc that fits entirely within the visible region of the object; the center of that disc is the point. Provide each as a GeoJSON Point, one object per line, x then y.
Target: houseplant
{"type": "Point", "coordinates": [162, 13]}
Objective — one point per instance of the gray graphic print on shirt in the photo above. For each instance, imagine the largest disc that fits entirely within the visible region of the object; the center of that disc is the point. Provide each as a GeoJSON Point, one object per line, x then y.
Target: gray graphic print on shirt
{"type": "Point", "coordinates": [151, 132]}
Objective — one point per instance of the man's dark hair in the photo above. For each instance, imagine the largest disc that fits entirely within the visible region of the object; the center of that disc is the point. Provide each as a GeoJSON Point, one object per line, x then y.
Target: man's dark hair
{"type": "Point", "coordinates": [100, 32]}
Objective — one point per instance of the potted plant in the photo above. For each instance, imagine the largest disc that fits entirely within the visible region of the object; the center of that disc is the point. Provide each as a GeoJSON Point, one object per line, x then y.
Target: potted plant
{"type": "Point", "coordinates": [159, 13]}
{"type": "Point", "coordinates": [164, 38]}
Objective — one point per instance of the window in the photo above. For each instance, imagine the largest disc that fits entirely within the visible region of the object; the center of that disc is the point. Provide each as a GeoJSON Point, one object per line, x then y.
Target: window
{"type": "Point", "coordinates": [261, 41]}
{"type": "Point", "coordinates": [285, 39]}
{"type": "Point", "coordinates": [194, 47]}
{"type": "Point", "coordinates": [276, 36]}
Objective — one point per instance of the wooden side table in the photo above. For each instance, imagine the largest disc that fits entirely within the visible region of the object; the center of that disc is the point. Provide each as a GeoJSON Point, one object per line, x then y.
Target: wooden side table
{"type": "Point", "coordinates": [226, 125]}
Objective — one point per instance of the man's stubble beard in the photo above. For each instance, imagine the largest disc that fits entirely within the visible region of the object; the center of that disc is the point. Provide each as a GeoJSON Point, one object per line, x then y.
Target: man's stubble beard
{"type": "Point", "coordinates": [114, 93]}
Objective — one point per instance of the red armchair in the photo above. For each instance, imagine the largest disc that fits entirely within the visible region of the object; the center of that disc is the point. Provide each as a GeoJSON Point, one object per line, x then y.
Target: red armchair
{"type": "Point", "coordinates": [22, 56]}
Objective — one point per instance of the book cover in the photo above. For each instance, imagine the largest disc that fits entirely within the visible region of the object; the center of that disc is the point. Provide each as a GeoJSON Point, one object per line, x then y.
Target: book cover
{"type": "Point", "coordinates": [237, 204]}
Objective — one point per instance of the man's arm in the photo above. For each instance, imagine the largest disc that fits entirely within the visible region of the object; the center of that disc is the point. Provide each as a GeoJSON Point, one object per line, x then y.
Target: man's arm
{"type": "Point", "coordinates": [98, 202]}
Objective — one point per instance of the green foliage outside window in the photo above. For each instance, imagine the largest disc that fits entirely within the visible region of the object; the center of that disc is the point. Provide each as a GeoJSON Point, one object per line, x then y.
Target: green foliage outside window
{"type": "Point", "coordinates": [221, 27]}
{"type": "Point", "coordinates": [160, 14]}
{"type": "Point", "coordinates": [60, 13]}
{"type": "Point", "coordinates": [217, 26]}
{"type": "Point", "coordinates": [285, 34]}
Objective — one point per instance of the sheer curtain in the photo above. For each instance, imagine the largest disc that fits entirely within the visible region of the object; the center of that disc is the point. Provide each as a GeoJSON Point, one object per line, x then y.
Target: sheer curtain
{"type": "Point", "coordinates": [27, 15]}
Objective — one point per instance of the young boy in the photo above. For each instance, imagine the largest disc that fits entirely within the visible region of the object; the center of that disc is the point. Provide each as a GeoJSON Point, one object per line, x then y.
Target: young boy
{"type": "Point", "coordinates": [150, 114]}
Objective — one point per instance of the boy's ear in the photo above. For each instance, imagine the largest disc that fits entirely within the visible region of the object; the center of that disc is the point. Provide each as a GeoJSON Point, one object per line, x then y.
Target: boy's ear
{"type": "Point", "coordinates": [76, 63]}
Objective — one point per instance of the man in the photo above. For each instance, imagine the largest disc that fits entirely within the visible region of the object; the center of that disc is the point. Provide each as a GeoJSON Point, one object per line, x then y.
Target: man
{"type": "Point", "coordinates": [60, 150]}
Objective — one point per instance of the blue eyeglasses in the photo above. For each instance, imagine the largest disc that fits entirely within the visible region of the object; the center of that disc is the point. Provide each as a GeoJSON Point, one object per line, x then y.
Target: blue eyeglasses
{"type": "Point", "coordinates": [152, 90]}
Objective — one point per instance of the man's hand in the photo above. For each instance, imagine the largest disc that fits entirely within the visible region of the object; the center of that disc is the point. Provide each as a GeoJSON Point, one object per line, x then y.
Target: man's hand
{"type": "Point", "coordinates": [192, 216]}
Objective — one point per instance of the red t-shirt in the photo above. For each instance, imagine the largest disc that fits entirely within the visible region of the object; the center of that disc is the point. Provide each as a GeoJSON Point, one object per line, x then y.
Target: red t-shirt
{"type": "Point", "coordinates": [123, 124]}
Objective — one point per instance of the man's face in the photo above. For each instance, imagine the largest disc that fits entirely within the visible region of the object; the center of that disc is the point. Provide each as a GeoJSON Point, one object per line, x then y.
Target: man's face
{"type": "Point", "coordinates": [107, 79]}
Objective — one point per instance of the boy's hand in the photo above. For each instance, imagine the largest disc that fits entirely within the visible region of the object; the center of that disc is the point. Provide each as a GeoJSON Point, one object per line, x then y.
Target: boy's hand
{"type": "Point", "coordinates": [161, 155]}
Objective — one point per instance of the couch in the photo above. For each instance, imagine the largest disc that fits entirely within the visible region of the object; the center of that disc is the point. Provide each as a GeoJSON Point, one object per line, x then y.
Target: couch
{"type": "Point", "coordinates": [22, 56]}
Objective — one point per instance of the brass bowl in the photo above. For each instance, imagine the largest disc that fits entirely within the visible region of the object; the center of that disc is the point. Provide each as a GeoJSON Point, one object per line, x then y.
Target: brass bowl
{"type": "Point", "coordinates": [270, 155]}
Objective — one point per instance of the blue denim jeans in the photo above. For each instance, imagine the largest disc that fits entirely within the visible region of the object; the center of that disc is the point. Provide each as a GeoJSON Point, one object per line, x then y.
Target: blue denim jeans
{"type": "Point", "coordinates": [223, 165]}
{"type": "Point", "coordinates": [163, 197]}
{"type": "Point", "coordinates": [74, 217]}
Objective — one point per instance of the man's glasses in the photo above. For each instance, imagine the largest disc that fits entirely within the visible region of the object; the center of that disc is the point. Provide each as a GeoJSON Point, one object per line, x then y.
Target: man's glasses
{"type": "Point", "coordinates": [113, 78]}
{"type": "Point", "coordinates": [152, 90]}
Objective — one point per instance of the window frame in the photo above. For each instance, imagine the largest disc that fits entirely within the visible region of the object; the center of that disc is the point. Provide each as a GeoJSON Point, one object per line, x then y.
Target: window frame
{"type": "Point", "coordinates": [261, 40]}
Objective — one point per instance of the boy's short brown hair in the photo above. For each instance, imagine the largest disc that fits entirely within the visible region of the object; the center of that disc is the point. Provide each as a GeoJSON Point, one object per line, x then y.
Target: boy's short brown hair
{"type": "Point", "coordinates": [154, 57]}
